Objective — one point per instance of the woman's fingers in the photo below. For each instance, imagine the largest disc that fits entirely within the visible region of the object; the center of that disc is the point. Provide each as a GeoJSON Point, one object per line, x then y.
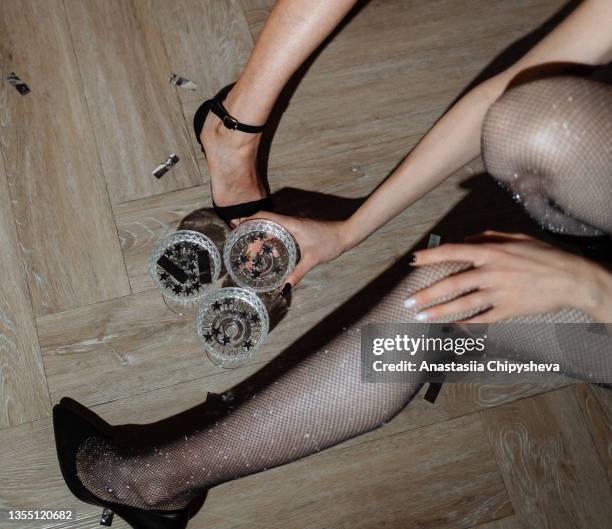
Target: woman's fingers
{"type": "Point", "coordinates": [453, 285]}
{"type": "Point", "coordinates": [468, 303]}
{"type": "Point", "coordinates": [497, 236]}
{"type": "Point", "coordinates": [302, 268]}
{"type": "Point", "coordinates": [471, 253]}
{"type": "Point", "coordinates": [486, 251]}
{"type": "Point", "coordinates": [511, 243]}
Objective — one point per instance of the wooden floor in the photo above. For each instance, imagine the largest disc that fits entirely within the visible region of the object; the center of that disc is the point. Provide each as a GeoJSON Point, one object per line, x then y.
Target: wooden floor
{"type": "Point", "coordinates": [79, 211]}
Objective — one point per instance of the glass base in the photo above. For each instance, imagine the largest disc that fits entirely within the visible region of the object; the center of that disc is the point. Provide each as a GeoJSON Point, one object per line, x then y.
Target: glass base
{"type": "Point", "coordinates": [187, 309]}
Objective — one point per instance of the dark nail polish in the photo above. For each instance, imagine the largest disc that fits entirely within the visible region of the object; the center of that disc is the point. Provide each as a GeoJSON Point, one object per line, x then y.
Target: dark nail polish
{"type": "Point", "coordinates": [411, 258]}
{"type": "Point", "coordinates": [286, 290]}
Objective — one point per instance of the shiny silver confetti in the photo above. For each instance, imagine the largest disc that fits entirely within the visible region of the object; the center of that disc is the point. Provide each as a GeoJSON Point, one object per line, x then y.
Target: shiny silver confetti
{"type": "Point", "coordinates": [19, 85]}
{"type": "Point", "coordinates": [434, 240]}
{"type": "Point", "coordinates": [182, 82]}
{"type": "Point", "coordinates": [164, 167]}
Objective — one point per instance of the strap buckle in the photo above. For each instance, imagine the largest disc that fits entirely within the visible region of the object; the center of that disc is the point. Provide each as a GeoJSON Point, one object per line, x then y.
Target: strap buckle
{"type": "Point", "coordinates": [230, 122]}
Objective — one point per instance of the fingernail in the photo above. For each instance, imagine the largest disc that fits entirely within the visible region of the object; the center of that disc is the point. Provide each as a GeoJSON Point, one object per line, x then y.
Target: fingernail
{"type": "Point", "coordinates": [421, 316]}
{"type": "Point", "coordinates": [286, 290]}
{"type": "Point", "coordinates": [411, 258]}
{"type": "Point", "coordinates": [410, 302]}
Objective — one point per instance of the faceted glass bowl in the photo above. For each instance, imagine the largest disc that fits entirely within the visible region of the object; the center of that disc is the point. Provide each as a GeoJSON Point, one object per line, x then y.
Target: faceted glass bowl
{"type": "Point", "coordinates": [232, 324]}
{"type": "Point", "coordinates": [259, 254]}
{"type": "Point", "coordinates": [192, 264]}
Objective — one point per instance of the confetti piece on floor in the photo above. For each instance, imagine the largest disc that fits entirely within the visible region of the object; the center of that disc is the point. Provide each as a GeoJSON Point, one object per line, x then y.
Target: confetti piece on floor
{"type": "Point", "coordinates": [177, 80]}
{"type": "Point", "coordinates": [19, 85]}
{"type": "Point", "coordinates": [434, 240]}
{"type": "Point", "coordinates": [164, 167]}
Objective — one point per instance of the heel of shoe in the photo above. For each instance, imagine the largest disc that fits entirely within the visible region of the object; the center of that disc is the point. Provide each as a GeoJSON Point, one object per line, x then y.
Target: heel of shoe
{"type": "Point", "coordinates": [198, 121]}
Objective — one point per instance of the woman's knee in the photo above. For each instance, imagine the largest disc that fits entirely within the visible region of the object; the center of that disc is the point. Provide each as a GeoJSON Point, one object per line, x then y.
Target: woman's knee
{"type": "Point", "coordinates": [534, 129]}
{"type": "Point", "coordinates": [550, 142]}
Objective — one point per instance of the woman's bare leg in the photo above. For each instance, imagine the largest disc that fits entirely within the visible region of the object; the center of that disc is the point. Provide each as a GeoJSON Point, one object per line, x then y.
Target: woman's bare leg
{"type": "Point", "coordinates": [293, 31]}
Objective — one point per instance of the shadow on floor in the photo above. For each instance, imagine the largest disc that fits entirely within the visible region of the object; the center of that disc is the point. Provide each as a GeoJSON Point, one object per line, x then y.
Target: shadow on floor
{"type": "Point", "coordinates": [499, 213]}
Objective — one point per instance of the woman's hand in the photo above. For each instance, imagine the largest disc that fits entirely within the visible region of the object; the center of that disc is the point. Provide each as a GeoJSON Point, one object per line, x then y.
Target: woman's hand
{"type": "Point", "coordinates": [319, 241]}
{"type": "Point", "coordinates": [515, 275]}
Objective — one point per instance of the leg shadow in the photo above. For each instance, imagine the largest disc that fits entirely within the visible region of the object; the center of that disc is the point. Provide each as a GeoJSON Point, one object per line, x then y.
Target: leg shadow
{"type": "Point", "coordinates": [468, 216]}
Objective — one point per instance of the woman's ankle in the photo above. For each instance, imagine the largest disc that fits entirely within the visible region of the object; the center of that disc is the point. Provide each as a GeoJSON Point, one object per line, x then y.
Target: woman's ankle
{"type": "Point", "coordinates": [232, 163]}
{"type": "Point", "coordinates": [215, 131]}
{"type": "Point", "coordinates": [242, 107]}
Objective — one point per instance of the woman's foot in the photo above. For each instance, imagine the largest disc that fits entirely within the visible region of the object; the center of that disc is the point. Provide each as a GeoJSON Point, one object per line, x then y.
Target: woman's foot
{"type": "Point", "coordinates": [232, 162]}
{"type": "Point", "coordinates": [144, 480]}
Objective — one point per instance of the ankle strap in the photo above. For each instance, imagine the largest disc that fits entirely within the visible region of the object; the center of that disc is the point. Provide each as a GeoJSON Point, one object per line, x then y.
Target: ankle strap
{"type": "Point", "coordinates": [230, 122]}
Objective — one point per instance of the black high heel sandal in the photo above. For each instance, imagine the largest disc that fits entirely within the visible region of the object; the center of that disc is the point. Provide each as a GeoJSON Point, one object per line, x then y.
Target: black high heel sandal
{"type": "Point", "coordinates": [215, 105]}
{"type": "Point", "coordinates": [72, 425]}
